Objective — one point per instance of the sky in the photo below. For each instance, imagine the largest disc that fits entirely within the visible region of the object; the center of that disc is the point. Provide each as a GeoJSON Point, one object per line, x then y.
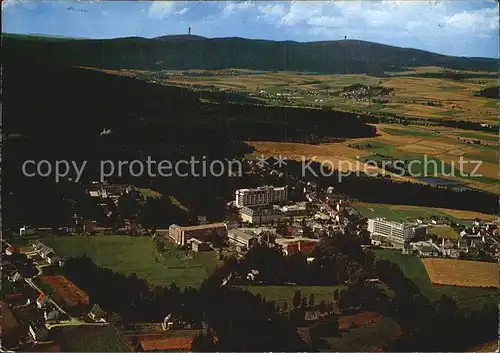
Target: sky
{"type": "Point", "coordinates": [458, 27]}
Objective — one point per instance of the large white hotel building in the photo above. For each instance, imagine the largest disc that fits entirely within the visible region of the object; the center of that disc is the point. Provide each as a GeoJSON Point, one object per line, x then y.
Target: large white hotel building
{"type": "Point", "coordinates": [395, 232]}
{"type": "Point", "coordinates": [263, 195]}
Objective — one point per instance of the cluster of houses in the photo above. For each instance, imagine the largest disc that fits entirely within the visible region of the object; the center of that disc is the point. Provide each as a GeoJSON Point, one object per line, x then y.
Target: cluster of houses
{"type": "Point", "coordinates": [47, 253]}
{"type": "Point", "coordinates": [27, 313]}
{"type": "Point", "coordinates": [100, 190]}
{"type": "Point", "coordinates": [363, 93]}
{"type": "Point", "coordinates": [480, 241]}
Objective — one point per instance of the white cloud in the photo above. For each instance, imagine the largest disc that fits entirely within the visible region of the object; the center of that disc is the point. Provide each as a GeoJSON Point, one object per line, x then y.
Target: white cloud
{"type": "Point", "coordinates": [327, 21]}
{"type": "Point", "coordinates": [11, 3]}
{"type": "Point", "coordinates": [416, 18]}
{"type": "Point", "coordinates": [182, 11]}
{"type": "Point", "coordinates": [232, 7]}
{"type": "Point", "coordinates": [301, 11]}
{"type": "Point", "coordinates": [484, 19]}
{"type": "Point", "coordinates": [162, 9]}
{"type": "Point", "coordinates": [271, 11]}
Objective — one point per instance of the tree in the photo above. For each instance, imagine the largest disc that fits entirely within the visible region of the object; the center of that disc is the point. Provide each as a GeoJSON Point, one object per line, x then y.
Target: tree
{"type": "Point", "coordinates": [297, 299]}
{"type": "Point", "coordinates": [311, 300]}
{"type": "Point", "coordinates": [285, 307]}
{"type": "Point", "coordinates": [203, 343]}
{"type": "Point", "coordinates": [216, 240]}
{"type": "Point", "coordinates": [159, 244]}
{"type": "Point", "coordinates": [303, 305]}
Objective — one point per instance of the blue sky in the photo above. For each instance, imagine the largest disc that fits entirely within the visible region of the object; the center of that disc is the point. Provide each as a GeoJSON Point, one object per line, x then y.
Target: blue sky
{"type": "Point", "coordinates": [464, 28]}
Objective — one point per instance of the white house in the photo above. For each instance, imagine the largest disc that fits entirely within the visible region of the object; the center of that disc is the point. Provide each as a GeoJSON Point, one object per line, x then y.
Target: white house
{"type": "Point", "coordinates": [50, 314]}
{"type": "Point", "coordinates": [38, 331]}
{"type": "Point", "coordinates": [96, 312]}
{"type": "Point", "coordinates": [26, 230]}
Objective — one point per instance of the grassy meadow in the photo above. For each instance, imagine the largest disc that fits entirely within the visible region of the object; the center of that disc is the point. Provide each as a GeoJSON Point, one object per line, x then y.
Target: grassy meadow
{"type": "Point", "coordinates": [138, 255]}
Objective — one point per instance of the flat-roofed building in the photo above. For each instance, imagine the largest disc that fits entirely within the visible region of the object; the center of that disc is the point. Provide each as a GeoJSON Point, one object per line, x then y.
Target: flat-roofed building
{"type": "Point", "coordinates": [180, 235]}
{"type": "Point", "coordinates": [259, 215]}
{"type": "Point", "coordinates": [263, 195]}
{"type": "Point", "coordinates": [198, 245]}
{"type": "Point", "coordinates": [395, 232]}
{"type": "Point", "coordinates": [242, 238]}
{"type": "Point", "coordinates": [297, 209]}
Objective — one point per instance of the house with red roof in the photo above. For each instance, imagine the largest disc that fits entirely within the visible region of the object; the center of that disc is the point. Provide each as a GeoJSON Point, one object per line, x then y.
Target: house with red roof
{"type": "Point", "coordinates": [168, 344]}
{"type": "Point", "coordinates": [41, 300]}
{"type": "Point", "coordinates": [11, 250]}
{"type": "Point", "coordinates": [302, 246]}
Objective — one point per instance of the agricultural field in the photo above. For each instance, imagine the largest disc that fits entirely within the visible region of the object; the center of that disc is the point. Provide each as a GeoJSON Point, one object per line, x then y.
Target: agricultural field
{"type": "Point", "coordinates": [467, 298]}
{"type": "Point", "coordinates": [462, 273]}
{"type": "Point", "coordinates": [282, 294]}
{"type": "Point", "coordinates": [402, 213]}
{"type": "Point", "coordinates": [442, 149]}
{"type": "Point", "coordinates": [438, 149]}
{"type": "Point", "coordinates": [420, 92]}
{"type": "Point", "coordinates": [138, 255]}
{"type": "Point", "coordinates": [431, 97]}
{"type": "Point", "coordinates": [337, 155]}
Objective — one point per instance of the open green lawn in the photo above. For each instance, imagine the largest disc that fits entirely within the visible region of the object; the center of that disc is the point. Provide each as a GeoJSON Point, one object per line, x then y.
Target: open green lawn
{"type": "Point", "coordinates": [444, 232]}
{"type": "Point", "coordinates": [285, 293]}
{"type": "Point", "coordinates": [138, 255]}
{"type": "Point", "coordinates": [467, 298]}
{"type": "Point", "coordinates": [367, 338]}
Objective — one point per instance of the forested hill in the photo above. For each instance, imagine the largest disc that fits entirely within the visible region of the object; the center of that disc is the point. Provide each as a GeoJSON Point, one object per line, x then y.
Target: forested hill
{"type": "Point", "coordinates": [189, 51]}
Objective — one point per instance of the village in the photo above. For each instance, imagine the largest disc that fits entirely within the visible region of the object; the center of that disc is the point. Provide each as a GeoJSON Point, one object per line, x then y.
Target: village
{"type": "Point", "coordinates": [39, 299]}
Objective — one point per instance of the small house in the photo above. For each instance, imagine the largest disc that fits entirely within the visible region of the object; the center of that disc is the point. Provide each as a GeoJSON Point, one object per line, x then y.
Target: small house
{"type": "Point", "coordinates": [407, 249]}
{"type": "Point", "coordinates": [26, 230]}
{"type": "Point", "coordinates": [311, 315]}
{"type": "Point", "coordinates": [42, 300]}
{"type": "Point", "coordinates": [38, 331]}
{"type": "Point", "coordinates": [96, 312]}
{"type": "Point", "coordinates": [11, 250]}
{"type": "Point", "coordinates": [50, 315]}
{"type": "Point", "coordinates": [16, 277]}
{"type": "Point", "coordinates": [199, 246]}
{"type": "Point", "coordinates": [428, 251]}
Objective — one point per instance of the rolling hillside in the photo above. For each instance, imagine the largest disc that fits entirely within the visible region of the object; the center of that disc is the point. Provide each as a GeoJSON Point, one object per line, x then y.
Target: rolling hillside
{"type": "Point", "coordinates": [185, 52]}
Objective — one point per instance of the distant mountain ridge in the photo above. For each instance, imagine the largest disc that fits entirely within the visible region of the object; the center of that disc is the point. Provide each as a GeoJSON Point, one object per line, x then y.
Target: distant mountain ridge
{"type": "Point", "coordinates": [196, 52]}
{"type": "Point", "coordinates": [180, 37]}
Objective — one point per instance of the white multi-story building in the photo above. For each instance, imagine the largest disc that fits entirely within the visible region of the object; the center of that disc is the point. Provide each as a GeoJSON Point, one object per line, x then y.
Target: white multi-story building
{"type": "Point", "coordinates": [263, 195]}
{"type": "Point", "coordinates": [395, 232]}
